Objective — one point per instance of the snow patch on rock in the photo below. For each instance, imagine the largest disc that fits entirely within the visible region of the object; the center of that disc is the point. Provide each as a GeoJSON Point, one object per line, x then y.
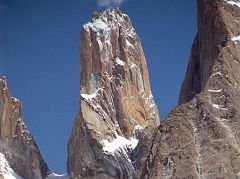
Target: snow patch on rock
{"type": "Point", "coordinates": [119, 62]}
{"type": "Point", "coordinates": [219, 107]}
{"type": "Point", "coordinates": [15, 100]}
{"type": "Point", "coordinates": [128, 44]}
{"type": "Point", "coordinates": [215, 91]}
{"type": "Point", "coordinates": [131, 32]}
{"type": "Point", "coordinates": [5, 170]}
{"type": "Point", "coordinates": [236, 2]}
{"type": "Point", "coordinates": [132, 65]}
{"type": "Point", "coordinates": [150, 101]}
{"type": "Point", "coordinates": [96, 25]}
{"type": "Point", "coordinates": [106, 21]}
{"type": "Point", "coordinates": [217, 73]}
{"type": "Point", "coordinates": [119, 144]}
{"type": "Point", "coordinates": [137, 128]}
{"type": "Point", "coordinates": [235, 39]}
{"type": "Point", "coordinates": [92, 96]}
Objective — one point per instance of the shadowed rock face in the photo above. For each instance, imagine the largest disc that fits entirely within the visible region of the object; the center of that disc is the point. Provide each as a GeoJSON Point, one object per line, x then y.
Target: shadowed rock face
{"type": "Point", "coordinates": [116, 101]}
{"type": "Point", "coordinates": [200, 138]}
{"type": "Point", "coordinates": [209, 41]}
{"type": "Point", "coordinates": [16, 143]}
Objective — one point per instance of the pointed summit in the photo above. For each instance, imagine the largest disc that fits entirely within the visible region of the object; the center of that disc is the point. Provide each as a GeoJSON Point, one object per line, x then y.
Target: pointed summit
{"type": "Point", "coordinates": [116, 101]}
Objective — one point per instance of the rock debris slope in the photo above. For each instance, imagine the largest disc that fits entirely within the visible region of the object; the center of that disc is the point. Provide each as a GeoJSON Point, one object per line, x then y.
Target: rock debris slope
{"type": "Point", "coordinates": [116, 101]}
{"type": "Point", "coordinates": [19, 154]}
{"type": "Point", "coordinates": [201, 137]}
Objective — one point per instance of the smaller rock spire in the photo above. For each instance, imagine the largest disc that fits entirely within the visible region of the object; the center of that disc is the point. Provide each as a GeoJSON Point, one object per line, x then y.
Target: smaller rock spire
{"type": "Point", "coordinates": [18, 150]}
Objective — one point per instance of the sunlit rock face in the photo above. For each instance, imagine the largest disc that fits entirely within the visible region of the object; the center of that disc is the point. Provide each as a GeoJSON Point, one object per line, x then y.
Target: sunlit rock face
{"type": "Point", "coordinates": [116, 101]}
{"type": "Point", "coordinates": [19, 154]}
{"type": "Point", "coordinates": [201, 137]}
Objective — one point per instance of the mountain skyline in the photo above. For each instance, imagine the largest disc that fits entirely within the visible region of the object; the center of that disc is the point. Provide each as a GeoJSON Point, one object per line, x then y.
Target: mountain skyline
{"type": "Point", "coordinates": [44, 48]}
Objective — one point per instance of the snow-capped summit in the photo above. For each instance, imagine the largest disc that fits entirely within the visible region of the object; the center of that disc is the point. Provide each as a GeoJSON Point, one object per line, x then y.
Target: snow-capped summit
{"type": "Point", "coordinates": [115, 98]}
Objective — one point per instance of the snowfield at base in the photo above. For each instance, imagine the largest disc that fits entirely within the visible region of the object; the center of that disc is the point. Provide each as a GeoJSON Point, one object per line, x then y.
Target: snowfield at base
{"type": "Point", "coordinates": [56, 176]}
{"type": "Point", "coordinates": [5, 170]}
{"type": "Point", "coordinates": [119, 143]}
{"type": "Point", "coordinates": [234, 3]}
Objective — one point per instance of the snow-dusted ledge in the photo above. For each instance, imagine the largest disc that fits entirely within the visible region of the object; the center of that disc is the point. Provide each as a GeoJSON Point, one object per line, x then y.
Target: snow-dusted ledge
{"type": "Point", "coordinates": [236, 2]}
{"type": "Point", "coordinates": [119, 62]}
{"type": "Point", "coordinates": [236, 39]}
{"type": "Point", "coordinates": [90, 97]}
{"type": "Point", "coordinates": [215, 91]}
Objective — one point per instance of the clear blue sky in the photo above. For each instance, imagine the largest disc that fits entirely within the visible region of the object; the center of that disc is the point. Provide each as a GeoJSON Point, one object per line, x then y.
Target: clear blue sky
{"type": "Point", "coordinates": [39, 53]}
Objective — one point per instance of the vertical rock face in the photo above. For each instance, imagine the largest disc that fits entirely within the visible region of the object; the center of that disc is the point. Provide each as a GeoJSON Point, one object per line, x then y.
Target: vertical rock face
{"type": "Point", "coordinates": [212, 34]}
{"type": "Point", "coordinates": [116, 100]}
{"type": "Point", "coordinates": [18, 150]}
{"type": "Point", "coordinates": [201, 137]}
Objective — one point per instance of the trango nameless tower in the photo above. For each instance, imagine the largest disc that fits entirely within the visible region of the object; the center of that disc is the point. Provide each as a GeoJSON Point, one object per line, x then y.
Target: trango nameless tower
{"type": "Point", "coordinates": [116, 100]}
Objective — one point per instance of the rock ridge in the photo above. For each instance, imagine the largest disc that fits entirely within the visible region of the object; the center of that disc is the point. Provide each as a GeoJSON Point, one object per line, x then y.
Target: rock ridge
{"type": "Point", "coordinates": [200, 138]}
{"type": "Point", "coordinates": [19, 154]}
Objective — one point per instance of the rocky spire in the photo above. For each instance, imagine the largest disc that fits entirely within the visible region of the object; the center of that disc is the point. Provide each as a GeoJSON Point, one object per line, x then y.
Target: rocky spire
{"type": "Point", "coordinates": [19, 154]}
{"type": "Point", "coordinates": [200, 138]}
{"type": "Point", "coordinates": [116, 101]}
{"type": "Point", "coordinates": [213, 31]}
